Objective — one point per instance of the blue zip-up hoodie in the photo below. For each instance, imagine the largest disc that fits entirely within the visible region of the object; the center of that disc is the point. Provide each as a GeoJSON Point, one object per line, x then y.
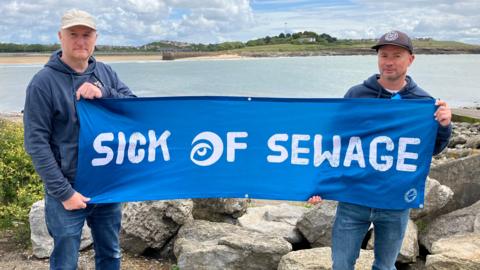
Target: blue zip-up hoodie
{"type": "Point", "coordinates": [50, 120]}
{"type": "Point", "coordinates": [372, 89]}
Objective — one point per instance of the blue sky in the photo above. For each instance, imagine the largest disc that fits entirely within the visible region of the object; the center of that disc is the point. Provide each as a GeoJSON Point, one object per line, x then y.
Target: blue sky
{"type": "Point", "coordinates": [137, 22]}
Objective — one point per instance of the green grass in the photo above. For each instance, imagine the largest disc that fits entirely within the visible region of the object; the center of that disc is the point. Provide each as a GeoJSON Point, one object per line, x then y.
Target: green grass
{"type": "Point", "coordinates": [454, 45]}
{"type": "Point", "coordinates": [299, 47]}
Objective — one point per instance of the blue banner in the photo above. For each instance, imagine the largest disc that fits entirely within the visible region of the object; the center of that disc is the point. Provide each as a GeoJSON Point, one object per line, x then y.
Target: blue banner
{"type": "Point", "coordinates": [373, 152]}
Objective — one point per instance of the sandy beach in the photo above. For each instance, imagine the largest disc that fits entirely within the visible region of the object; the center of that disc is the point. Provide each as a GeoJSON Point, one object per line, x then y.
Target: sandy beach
{"type": "Point", "coordinates": [216, 57]}
{"type": "Point", "coordinates": [43, 58]}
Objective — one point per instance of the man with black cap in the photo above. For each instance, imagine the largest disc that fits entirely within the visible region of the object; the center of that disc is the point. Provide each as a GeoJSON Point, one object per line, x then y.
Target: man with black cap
{"type": "Point", "coordinates": [395, 55]}
{"type": "Point", "coordinates": [51, 138]}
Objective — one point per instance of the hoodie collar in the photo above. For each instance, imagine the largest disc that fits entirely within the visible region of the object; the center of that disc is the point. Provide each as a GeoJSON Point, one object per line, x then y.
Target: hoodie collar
{"type": "Point", "coordinates": [55, 62]}
{"type": "Point", "coordinates": [372, 83]}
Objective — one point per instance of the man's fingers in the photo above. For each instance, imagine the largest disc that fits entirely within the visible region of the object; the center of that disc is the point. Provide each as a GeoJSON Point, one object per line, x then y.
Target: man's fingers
{"type": "Point", "coordinates": [78, 94]}
{"type": "Point", "coordinates": [314, 199]}
{"type": "Point", "coordinates": [88, 91]}
{"type": "Point", "coordinates": [440, 102]}
{"type": "Point", "coordinates": [83, 198]}
{"type": "Point", "coordinates": [443, 114]}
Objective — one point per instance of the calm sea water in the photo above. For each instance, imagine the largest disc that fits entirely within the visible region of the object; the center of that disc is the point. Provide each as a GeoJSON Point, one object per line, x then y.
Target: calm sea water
{"type": "Point", "coordinates": [454, 78]}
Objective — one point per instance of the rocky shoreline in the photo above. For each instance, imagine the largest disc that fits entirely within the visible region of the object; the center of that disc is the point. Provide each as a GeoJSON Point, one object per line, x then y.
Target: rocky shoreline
{"type": "Point", "coordinates": [350, 51]}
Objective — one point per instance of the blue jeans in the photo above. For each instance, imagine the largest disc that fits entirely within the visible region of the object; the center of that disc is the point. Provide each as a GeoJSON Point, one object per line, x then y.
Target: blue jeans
{"type": "Point", "coordinates": [351, 224]}
{"type": "Point", "coordinates": [66, 226]}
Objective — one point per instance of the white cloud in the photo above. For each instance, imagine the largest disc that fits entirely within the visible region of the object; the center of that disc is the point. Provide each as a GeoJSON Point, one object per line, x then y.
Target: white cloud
{"type": "Point", "coordinates": [136, 22]}
{"type": "Point", "coordinates": [443, 19]}
{"type": "Point", "coordinates": [132, 22]}
{"type": "Point", "coordinates": [208, 24]}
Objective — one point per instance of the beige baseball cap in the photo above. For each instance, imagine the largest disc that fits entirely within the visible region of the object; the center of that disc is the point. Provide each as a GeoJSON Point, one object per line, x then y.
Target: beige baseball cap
{"type": "Point", "coordinates": [75, 17]}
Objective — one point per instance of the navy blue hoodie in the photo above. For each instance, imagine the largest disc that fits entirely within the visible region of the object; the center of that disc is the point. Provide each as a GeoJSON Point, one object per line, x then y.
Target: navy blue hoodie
{"type": "Point", "coordinates": [372, 89]}
{"type": "Point", "coordinates": [51, 123]}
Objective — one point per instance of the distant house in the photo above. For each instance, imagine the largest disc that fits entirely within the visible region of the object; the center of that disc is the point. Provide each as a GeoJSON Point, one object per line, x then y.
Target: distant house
{"type": "Point", "coordinates": [306, 40]}
{"type": "Point", "coordinates": [424, 38]}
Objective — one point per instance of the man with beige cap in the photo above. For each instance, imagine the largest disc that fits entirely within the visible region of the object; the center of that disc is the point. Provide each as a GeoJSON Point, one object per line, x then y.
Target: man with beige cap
{"type": "Point", "coordinates": [51, 139]}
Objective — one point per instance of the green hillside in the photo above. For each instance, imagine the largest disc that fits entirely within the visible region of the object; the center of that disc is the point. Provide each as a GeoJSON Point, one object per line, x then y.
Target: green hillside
{"type": "Point", "coordinates": [301, 43]}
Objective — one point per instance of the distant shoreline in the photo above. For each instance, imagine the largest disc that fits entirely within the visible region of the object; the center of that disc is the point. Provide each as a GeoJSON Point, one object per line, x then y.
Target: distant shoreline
{"type": "Point", "coordinates": [460, 114]}
{"type": "Point", "coordinates": [42, 58]}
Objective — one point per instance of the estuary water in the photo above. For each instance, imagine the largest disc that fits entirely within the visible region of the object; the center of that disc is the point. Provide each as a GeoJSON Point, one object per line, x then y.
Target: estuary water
{"type": "Point", "coordinates": [454, 78]}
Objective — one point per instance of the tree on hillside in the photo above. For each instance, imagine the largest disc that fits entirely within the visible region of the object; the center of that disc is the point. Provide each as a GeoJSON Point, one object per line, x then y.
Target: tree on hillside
{"type": "Point", "coordinates": [327, 37]}
{"type": "Point", "coordinates": [297, 35]}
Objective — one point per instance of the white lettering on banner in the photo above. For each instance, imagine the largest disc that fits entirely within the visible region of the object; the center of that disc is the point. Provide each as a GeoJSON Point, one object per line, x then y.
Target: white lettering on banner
{"type": "Point", "coordinates": [355, 144]}
{"type": "Point", "coordinates": [373, 153]}
{"type": "Point", "coordinates": [403, 154]}
{"type": "Point", "coordinates": [296, 149]}
{"type": "Point", "coordinates": [132, 146]}
{"type": "Point", "coordinates": [354, 152]}
{"type": "Point", "coordinates": [208, 148]}
{"type": "Point", "coordinates": [135, 154]}
{"type": "Point", "coordinates": [121, 148]}
{"type": "Point", "coordinates": [97, 145]}
{"type": "Point", "coordinates": [277, 148]}
{"type": "Point", "coordinates": [319, 156]}
{"type": "Point", "coordinates": [232, 144]}
{"type": "Point", "coordinates": [154, 143]}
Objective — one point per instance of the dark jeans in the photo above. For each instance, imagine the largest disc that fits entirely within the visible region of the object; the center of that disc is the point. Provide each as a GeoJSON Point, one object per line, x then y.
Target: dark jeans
{"type": "Point", "coordinates": [351, 224]}
{"type": "Point", "coordinates": [66, 226]}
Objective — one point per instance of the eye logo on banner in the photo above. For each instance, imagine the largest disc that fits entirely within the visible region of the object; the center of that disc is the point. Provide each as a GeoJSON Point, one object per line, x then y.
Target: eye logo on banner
{"type": "Point", "coordinates": [207, 148]}
{"type": "Point", "coordinates": [411, 195]}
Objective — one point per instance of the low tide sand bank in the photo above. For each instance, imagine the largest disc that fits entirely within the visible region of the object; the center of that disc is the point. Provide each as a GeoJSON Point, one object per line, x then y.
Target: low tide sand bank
{"type": "Point", "coordinates": [42, 59]}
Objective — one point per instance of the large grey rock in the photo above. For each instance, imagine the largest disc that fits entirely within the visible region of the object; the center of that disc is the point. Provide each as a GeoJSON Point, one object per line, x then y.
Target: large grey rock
{"type": "Point", "coordinates": [456, 140]}
{"type": "Point", "coordinates": [436, 197]}
{"type": "Point", "coordinates": [473, 142]}
{"type": "Point", "coordinates": [316, 224]}
{"type": "Point", "coordinates": [461, 176]}
{"type": "Point", "coordinates": [42, 242]}
{"type": "Point", "coordinates": [219, 209]}
{"type": "Point", "coordinates": [203, 245]}
{"type": "Point", "coordinates": [320, 259]}
{"type": "Point", "coordinates": [152, 224]}
{"type": "Point", "coordinates": [454, 153]}
{"type": "Point", "coordinates": [462, 221]}
{"type": "Point", "coordinates": [278, 220]}
{"type": "Point", "coordinates": [409, 250]}
{"type": "Point", "coordinates": [455, 252]}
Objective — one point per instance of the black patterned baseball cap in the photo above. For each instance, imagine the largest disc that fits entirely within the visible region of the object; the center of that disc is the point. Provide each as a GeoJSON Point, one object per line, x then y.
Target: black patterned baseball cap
{"type": "Point", "coordinates": [396, 38]}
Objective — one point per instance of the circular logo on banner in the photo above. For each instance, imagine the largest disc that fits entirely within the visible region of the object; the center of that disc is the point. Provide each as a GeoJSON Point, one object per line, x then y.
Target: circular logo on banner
{"type": "Point", "coordinates": [410, 195]}
{"type": "Point", "coordinates": [207, 149]}
{"type": "Point", "coordinates": [390, 36]}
